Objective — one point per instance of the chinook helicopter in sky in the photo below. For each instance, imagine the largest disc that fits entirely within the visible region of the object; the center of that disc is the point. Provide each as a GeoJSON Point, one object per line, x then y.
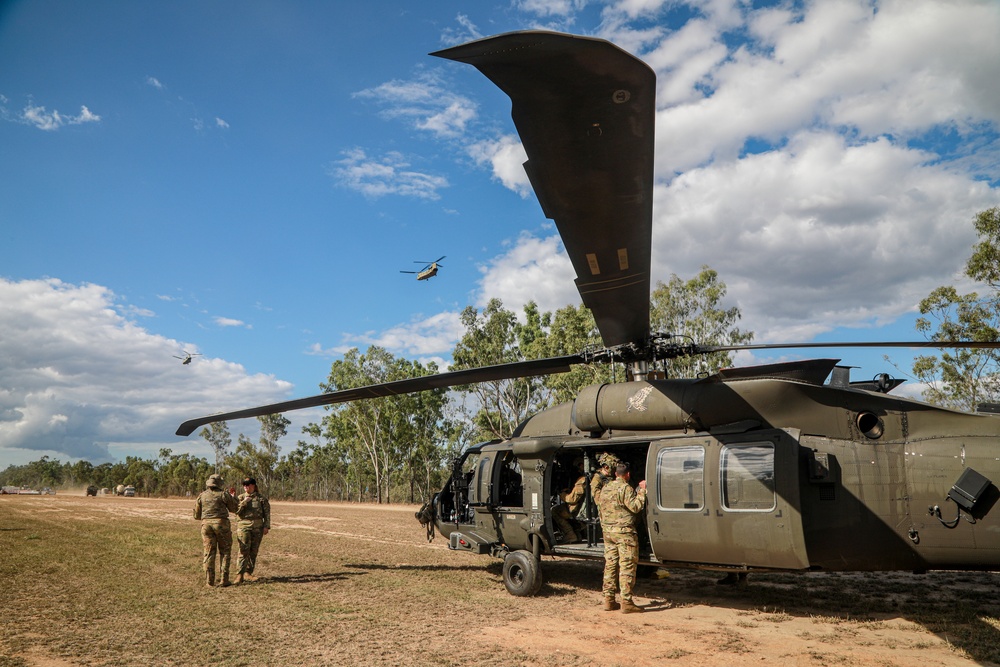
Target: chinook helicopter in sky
{"type": "Point", "coordinates": [783, 467]}
{"type": "Point", "coordinates": [428, 271]}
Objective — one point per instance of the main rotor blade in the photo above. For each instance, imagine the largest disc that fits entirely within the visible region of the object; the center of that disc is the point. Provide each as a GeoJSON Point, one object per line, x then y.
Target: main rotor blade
{"type": "Point", "coordinates": [584, 110]}
{"type": "Point", "coordinates": [439, 381]}
{"type": "Point", "coordinates": [958, 344]}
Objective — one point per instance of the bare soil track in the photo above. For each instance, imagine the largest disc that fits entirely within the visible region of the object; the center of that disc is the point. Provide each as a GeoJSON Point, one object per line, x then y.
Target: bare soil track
{"type": "Point", "coordinates": [116, 581]}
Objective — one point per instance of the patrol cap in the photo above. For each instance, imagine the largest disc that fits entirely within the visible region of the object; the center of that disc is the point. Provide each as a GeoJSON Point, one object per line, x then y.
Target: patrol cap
{"type": "Point", "coordinates": [249, 480]}
{"type": "Point", "coordinates": [214, 482]}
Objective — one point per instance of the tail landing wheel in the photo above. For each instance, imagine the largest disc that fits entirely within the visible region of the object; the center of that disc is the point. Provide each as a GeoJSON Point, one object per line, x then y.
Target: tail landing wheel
{"type": "Point", "coordinates": [522, 573]}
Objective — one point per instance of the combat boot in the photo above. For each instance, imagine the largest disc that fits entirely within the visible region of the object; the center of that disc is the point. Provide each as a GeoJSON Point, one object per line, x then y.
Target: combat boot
{"type": "Point", "coordinates": [610, 604]}
{"type": "Point", "coordinates": [209, 577]}
{"type": "Point", "coordinates": [239, 578]}
{"type": "Point", "coordinates": [225, 580]}
{"type": "Point", "coordinates": [249, 577]}
{"type": "Point", "coordinates": [629, 607]}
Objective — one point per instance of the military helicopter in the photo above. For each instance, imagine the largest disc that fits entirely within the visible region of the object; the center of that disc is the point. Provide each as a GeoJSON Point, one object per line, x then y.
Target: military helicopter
{"type": "Point", "coordinates": [428, 271]}
{"type": "Point", "coordinates": [188, 356]}
{"type": "Point", "coordinates": [782, 467]}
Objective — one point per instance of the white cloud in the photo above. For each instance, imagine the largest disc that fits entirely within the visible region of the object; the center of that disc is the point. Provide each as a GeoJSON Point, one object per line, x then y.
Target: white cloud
{"type": "Point", "coordinates": [425, 102]}
{"type": "Point", "coordinates": [547, 8]}
{"type": "Point", "coordinates": [506, 158]}
{"type": "Point", "coordinates": [427, 337]}
{"type": "Point", "coordinates": [80, 380]}
{"type": "Point", "coordinates": [231, 322]}
{"type": "Point", "coordinates": [388, 175]}
{"type": "Point", "coordinates": [49, 121]}
{"type": "Point", "coordinates": [221, 124]}
{"type": "Point", "coordinates": [466, 32]}
{"type": "Point", "coordinates": [534, 269]}
{"type": "Point", "coordinates": [903, 70]}
{"type": "Point", "coordinates": [154, 82]}
{"type": "Point", "coordinates": [823, 231]}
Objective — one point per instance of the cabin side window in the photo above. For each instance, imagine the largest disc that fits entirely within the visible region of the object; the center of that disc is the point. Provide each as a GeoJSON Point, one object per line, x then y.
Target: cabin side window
{"type": "Point", "coordinates": [680, 478]}
{"type": "Point", "coordinates": [747, 473]}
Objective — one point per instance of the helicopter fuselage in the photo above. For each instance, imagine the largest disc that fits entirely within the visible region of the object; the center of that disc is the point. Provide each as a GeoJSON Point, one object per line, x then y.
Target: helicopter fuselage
{"type": "Point", "coordinates": [752, 473]}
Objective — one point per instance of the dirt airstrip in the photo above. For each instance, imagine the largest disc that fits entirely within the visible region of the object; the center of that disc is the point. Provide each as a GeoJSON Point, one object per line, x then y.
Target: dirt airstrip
{"type": "Point", "coordinates": [359, 584]}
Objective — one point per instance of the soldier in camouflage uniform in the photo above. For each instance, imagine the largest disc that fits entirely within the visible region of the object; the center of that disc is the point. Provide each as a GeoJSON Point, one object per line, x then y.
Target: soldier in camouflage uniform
{"type": "Point", "coordinates": [607, 462]}
{"type": "Point", "coordinates": [572, 500]}
{"type": "Point", "coordinates": [212, 508]}
{"type": "Point", "coordinates": [254, 512]}
{"type": "Point", "coordinates": [619, 505]}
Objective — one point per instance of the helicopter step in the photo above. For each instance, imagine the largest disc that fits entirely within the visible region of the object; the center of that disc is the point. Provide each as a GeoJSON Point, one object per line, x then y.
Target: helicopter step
{"type": "Point", "coordinates": [469, 542]}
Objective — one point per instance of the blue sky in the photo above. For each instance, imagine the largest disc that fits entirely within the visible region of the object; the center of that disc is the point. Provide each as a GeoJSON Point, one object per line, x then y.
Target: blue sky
{"type": "Point", "coordinates": [246, 180]}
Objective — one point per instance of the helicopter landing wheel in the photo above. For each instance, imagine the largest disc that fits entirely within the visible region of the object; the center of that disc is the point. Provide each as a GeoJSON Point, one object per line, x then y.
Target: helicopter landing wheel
{"type": "Point", "coordinates": [522, 574]}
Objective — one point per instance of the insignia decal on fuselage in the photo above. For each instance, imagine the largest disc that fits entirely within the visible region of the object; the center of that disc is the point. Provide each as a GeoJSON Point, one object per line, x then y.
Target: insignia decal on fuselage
{"type": "Point", "coordinates": [638, 401]}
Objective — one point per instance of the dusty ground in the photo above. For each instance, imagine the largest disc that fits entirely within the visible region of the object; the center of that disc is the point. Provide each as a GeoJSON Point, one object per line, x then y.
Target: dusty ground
{"type": "Point", "coordinates": [365, 578]}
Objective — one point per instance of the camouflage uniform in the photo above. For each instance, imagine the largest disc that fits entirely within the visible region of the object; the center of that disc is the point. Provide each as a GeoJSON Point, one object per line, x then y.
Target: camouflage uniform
{"type": "Point", "coordinates": [212, 508]}
{"type": "Point", "coordinates": [573, 500]}
{"type": "Point", "coordinates": [254, 512]}
{"type": "Point", "coordinates": [619, 504]}
{"type": "Point", "coordinates": [605, 460]}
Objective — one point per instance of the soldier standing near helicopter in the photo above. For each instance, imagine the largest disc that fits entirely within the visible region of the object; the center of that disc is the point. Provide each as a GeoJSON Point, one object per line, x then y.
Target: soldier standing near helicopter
{"type": "Point", "coordinates": [254, 512]}
{"type": "Point", "coordinates": [212, 508]}
{"type": "Point", "coordinates": [619, 505]}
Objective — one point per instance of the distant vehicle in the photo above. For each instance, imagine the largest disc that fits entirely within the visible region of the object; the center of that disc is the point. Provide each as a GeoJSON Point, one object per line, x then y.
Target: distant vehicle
{"type": "Point", "coordinates": [129, 492]}
{"type": "Point", "coordinates": [92, 490]}
{"type": "Point", "coordinates": [188, 356]}
{"type": "Point", "coordinates": [47, 491]}
{"type": "Point", "coordinates": [119, 490]}
{"type": "Point", "coordinates": [20, 491]}
{"type": "Point", "coordinates": [428, 271]}
{"type": "Point", "coordinates": [105, 491]}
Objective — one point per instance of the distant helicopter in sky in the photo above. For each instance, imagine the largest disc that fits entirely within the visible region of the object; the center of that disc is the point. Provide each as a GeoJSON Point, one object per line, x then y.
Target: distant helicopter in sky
{"type": "Point", "coordinates": [428, 271]}
{"type": "Point", "coordinates": [188, 356]}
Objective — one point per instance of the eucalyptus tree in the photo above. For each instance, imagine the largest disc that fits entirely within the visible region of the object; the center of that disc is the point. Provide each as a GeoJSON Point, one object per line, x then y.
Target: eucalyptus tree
{"type": "Point", "coordinates": [384, 435]}
{"type": "Point", "coordinates": [259, 461]}
{"type": "Point", "coordinates": [692, 311]}
{"type": "Point", "coordinates": [964, 378]}
{"type": "Point", "coordinates": [492, 337]}
{"type": "Point", "coordinates": [217, 435]}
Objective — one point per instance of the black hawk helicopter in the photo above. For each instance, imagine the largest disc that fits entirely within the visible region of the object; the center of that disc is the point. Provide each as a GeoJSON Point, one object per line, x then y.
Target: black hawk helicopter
{"type": "Point", "coordinates": [187, 358]}
{"type": "Point", "coordinates": [782, 467]}
{"type": "Point", "coordinates": [429, 271]}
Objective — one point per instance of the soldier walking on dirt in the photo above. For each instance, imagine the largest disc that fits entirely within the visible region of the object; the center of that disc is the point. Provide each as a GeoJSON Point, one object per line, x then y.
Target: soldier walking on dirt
{"type": "Point", "coordinates": [619, 506]}
{"type": "Point", "coordinates": [212, 508]}
{"type": "Point", "coordinates": [254, 512]}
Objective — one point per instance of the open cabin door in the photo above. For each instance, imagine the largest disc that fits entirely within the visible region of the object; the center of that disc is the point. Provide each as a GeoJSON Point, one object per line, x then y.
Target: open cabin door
{"type": "Point", "coordinates": [727, 500]}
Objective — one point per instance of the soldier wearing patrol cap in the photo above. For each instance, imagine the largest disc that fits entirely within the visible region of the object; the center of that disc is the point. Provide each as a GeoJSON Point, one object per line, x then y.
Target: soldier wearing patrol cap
{"type": "Point", "coordinates": [254, 512]}
{"type": "Point", "coordinates": [212, 508]}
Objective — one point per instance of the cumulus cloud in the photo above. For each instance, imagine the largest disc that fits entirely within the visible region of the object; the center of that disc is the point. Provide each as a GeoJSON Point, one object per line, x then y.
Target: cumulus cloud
{"type": "Point", "coordinates": [388, 175]}
{"type": "Point", "coordinates": [506, 158]}
{"type": "Point", "coordinates": [424, 337]}
{"type": "Point", "coordinates": [82, 380]}
{"type": "Point", "coordinates": [533, 269]}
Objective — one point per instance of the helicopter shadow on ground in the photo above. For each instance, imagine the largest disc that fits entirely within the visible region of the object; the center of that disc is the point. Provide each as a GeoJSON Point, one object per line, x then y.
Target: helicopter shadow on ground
{"type": "Point", "coordinates": [311, 578]}
{"type": "Point", "coordinates": [435, 568]}
{"type": "Point", "coordinates": [955, 606]}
